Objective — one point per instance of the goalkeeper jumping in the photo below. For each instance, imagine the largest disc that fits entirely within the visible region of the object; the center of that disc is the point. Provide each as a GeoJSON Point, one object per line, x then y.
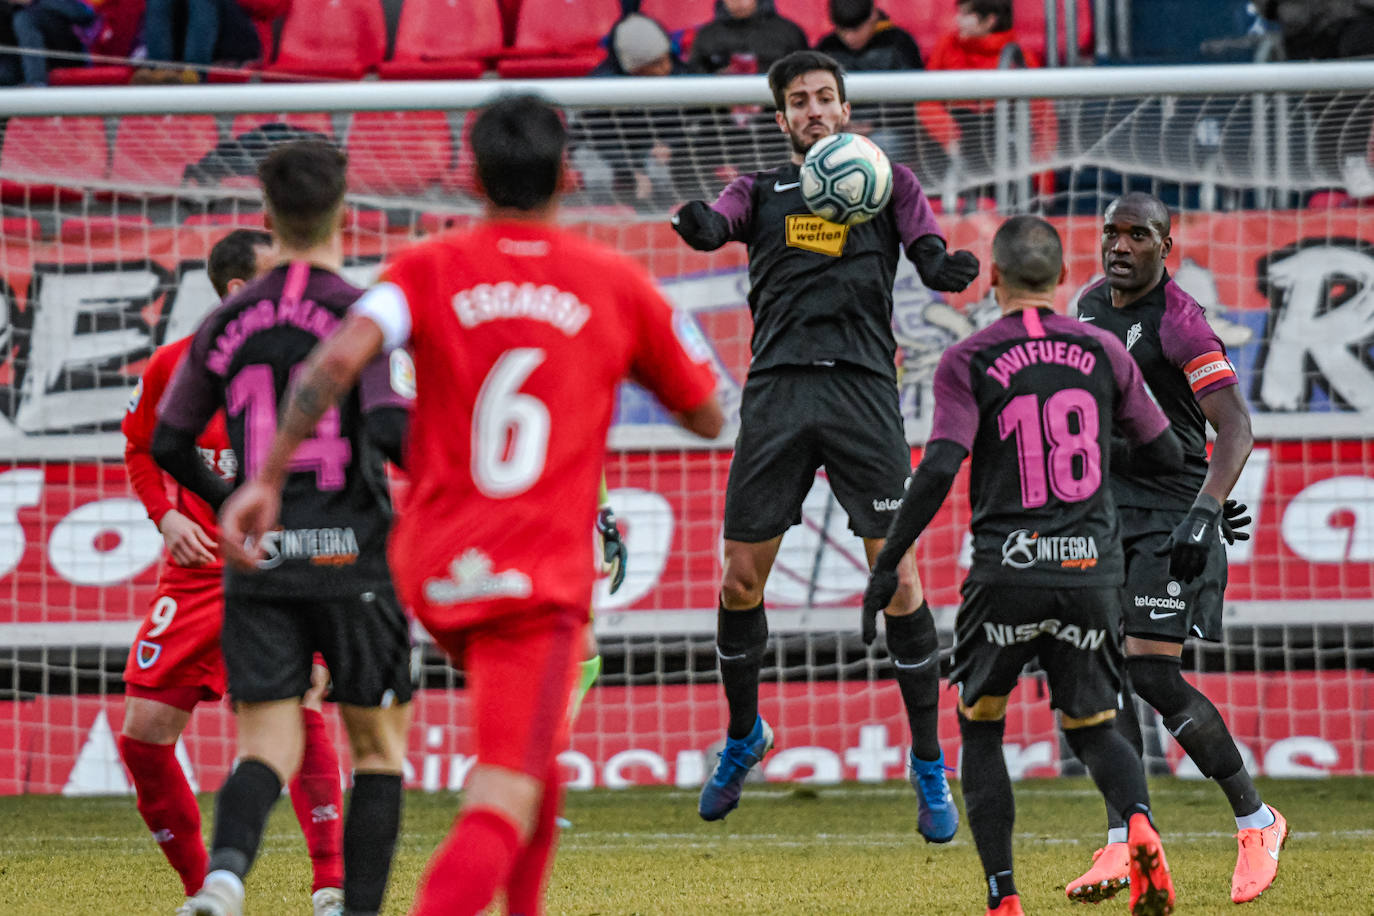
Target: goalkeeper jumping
{"type": "Point", "coordinates": [822, 391]}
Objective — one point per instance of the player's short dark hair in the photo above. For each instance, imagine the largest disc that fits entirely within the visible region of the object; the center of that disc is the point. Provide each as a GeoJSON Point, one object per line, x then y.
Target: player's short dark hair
{"type": "Point", "coordinates": [1028, 253]}
{"type": "Point", "coordinates": [1154, 209]}
{"type": "Point", "coordinates": [998, 8]}
{"type": "Point", "coordinates": [235, 257]}
{"type": "Point", "coordinates": [303, 183]}
{"type": "Point", "coordinates": [786, 69]}
{"type": "Point", "coordinates": [519, 142]}
{"type": "Point", "coordinates": [849, 14]}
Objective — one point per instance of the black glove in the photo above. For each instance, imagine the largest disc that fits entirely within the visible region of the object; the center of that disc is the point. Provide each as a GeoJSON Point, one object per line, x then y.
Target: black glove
{"type": "Point", "coordinates": [882, 585]}
{"type": "Point", "coordinates": [940, 270]}
{"type": "Point", "coordinates": [1233, 520]}
{"type": "Point", "coordinates": [614, 555]}
{"type": "Point", "coordinates": [1190, 542]}
{"type": "Point", "coordinates": [700, 226]}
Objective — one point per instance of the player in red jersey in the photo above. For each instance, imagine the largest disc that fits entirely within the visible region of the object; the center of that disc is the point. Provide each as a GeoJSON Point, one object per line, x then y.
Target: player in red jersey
{"type": "Point", "coordinates": [521, 334]}
{"type": "Point", "coordinates": [175, 661]}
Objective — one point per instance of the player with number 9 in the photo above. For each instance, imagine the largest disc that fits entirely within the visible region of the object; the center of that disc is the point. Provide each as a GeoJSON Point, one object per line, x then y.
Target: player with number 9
{"type": "Point", "coordinates": [521, 334]}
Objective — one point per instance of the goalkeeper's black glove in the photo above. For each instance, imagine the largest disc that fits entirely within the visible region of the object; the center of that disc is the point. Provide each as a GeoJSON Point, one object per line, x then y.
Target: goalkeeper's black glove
{"type": "Point", "coordinates": [700, 226]}
{"type": "Point", "coordinates": [1190, 542]}
{"type": "Point", "coordinates": [614, 555]}
{"type": "Point", "coordinates": [1233, 520]}
{"type": "Point", "coordinates": [882, 585]}
{"type": "Point", "coordinates": [939, 269]}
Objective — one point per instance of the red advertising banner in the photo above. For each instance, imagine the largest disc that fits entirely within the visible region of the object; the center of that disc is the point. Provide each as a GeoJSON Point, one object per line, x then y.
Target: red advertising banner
{"type": "Point", "coordinates": [827, 733]}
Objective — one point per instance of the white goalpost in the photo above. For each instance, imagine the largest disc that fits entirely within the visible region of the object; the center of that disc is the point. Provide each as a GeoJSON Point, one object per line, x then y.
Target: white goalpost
{"type": "Point", "coordinates": [111, 199]}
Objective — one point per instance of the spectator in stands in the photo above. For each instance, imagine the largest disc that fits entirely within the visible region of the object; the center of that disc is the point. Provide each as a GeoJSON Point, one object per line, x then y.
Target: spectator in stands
{"type": "Point", "coordinates": [631, 156]}
{"type": "Point", "coordinates": [42, 26]}
{"type": "Point", "coordinates": [195, 32]}
{"type": "Point", "coordinates": [1322, 29]}
{"type": "Point", "coordinates": [983, 39]}
{"type": "Point", "coordinates": [865, 39]}
{"type": "Point", "coordinates": [746, 36]}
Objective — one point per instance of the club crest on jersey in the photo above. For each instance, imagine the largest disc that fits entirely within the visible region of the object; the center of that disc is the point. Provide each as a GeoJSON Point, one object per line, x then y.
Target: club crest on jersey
{"type": "Point", "coordinates": [470, 578]}
{"type": "Point", "coordinates": [1132, 335]}
{"type": "Point", "coordinates": [136, 396]}
{"type": "Point", "coordinates": [147, 653]}
{"type": "Point", "coordinates": [812, 233]}
{"type": "Point", "coordinates": [1024, 549]}
{"type": "Point", "coordinates": [402, 373]}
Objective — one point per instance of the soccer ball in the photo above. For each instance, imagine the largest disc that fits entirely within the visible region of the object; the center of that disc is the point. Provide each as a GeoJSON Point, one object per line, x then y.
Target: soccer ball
{"type": "Point", "coordinates": [846, 179]}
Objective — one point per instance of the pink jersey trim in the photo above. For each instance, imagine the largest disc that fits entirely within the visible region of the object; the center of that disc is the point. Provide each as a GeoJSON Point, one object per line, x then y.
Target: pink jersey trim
{"type": "Point", "coordinates": [1031, 319]}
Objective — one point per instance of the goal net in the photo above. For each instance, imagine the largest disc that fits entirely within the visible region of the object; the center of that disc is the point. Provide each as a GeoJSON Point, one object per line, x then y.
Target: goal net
{"type": "Point", "coordinates": [110, 208]}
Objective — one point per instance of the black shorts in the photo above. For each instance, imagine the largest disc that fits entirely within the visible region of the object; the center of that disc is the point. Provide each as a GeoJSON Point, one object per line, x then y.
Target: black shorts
{"type": "Point", "coordinates": [269, 644]}
{"type": "Point", "coordinates": [794, 420]}
{"type": "Point", "coordinates": [1157, 606]}
{"type": "Point", "coordinates": [1071, 631]}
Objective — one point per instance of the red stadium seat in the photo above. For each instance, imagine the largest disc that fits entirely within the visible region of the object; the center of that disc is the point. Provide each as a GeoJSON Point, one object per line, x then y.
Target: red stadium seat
{"type": "Point", "coordinates": [1028, 17]}
{"type": "Point", "coordinates": [41, 154]}
{"type": "Point", "coordinates": [335, 39]}
{"type": "Point", "coordinates": [21, 227]}
{"type": "Point", "coordinates": [813, 16]}
{"type": "Point", "coordinates": [155, 149]}
{"type": "Point", "coordinates": [536, 68]}
{"type": "Point", "coordinates": [90, 76]}
{"type": "Point", "coordinates": [679, 15]}
{"type": "Point", "coordinates": [563, 28]}
{"type": "Point", "coordinates": [83, 230]}
{"type": "Point", "coordinates": [926, 21]}
{"type": "Point", "coordinates": [398, 152]}
{"type": "Point", "coordinates": [444, 39]}
{"type": "Point", "coordinates": [236, 219]}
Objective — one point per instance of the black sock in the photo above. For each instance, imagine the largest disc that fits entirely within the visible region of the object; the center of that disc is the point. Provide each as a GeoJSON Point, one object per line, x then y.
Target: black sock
{"type": "Point", "coordinates": [1197, 726]}
{"type": "Point", "coordinates": [1114, 767]}
{"type": "Point", "coordinates": [1127, 723]}
{"type": "Point", "coordinates": [369, 839]}
{"type": "Point", "coordinates": [741, 637]}
{"type": "Point", "coordinates": [241, 810]}
{"type": "Point", "coordinates": [915, 650]}
{"type": "Point", "coordinates": [988, 801]}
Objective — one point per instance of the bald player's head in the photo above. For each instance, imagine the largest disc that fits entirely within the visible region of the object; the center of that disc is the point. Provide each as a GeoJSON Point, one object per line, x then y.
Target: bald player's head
{"type": "Point", "coordinates": [1149, 208]}
{"type": "Point", "coordinates": [1135, 242]}
{"type": "Point", "coordinates": [1027, 256]}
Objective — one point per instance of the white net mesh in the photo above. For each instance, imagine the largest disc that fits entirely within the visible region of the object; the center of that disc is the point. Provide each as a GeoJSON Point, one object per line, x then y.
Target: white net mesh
{"type": "Point", "coordinates": [108, 220]}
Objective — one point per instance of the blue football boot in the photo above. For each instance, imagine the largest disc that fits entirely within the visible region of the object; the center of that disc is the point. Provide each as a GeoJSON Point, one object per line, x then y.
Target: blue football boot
{"type": "Point", "coordinates": [938, 817]}
{"type": "Point", "coordinates": [720, 794]}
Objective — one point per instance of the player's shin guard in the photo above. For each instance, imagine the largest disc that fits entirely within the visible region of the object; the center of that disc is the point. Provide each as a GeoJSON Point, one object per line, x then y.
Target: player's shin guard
{"type": "Point", "coordinates": [1197, 726]}
{"type": "Point", "coordinates": [241, 810]}
{"type": "Point", "coordinates": [915, 650]}
{"type": "Point", "coordinates": [168, 807]}
{"type": "Point", "coordinates": [525, 889]}
{"type": "Point", "coordinates": [989, 802]}
{"type": "Point", "coordinates": [1114, 767]}
{"type": "Point", "coordinates": [741, 637]}
{"type": "Point", "coordinates": [317, 799]}
{"type": "Point", "coordinates": [470, 866]}
{"type": "Point", "coordinates": [369, 839]}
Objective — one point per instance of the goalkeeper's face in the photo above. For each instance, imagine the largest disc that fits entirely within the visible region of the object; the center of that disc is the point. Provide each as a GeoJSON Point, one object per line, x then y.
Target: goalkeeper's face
{"type": "Point", "coordinates": [813, 110]}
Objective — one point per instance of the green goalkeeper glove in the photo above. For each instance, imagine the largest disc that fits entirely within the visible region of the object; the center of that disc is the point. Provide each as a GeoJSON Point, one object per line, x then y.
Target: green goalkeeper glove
{"type": "Point", "coordinates": [614, 555]}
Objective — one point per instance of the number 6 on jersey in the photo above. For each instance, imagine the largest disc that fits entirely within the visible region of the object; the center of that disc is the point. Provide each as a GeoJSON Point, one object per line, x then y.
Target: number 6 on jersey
{"type": "Point", "coordinates": [510, 428]}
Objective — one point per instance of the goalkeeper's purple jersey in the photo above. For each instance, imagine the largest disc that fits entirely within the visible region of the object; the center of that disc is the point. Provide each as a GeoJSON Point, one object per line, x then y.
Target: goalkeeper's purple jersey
{"type": "Point", "coordinates": [336, 508]}
{"type": "Point", "coordinates": [1182, 360]}
{"type": "Point", "coordinates": [1035, 398]}
{"type": "Point", "coordinates": [821, 293]}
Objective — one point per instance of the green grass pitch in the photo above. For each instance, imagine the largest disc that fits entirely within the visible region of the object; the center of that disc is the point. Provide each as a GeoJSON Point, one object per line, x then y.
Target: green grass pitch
{"type": "Point", "coordinates": [843, 849]}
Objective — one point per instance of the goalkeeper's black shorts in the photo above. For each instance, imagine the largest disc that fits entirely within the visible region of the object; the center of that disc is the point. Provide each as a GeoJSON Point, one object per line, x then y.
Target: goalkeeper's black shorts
{"type": "Point", "coordinates": [1156, 605]}
{"type": "Point", "coordinates": [796, 419]}
{"type": "Point", "coordinates": [1072, 632]}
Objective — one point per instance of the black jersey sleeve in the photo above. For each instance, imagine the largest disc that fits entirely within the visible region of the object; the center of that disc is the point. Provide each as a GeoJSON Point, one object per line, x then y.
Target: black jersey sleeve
{"type": "Point", "coordinates": [927, 491]}
{"type": "Point", "coordinates": [175, 451]}
{"type": "Point", "coordinates": [707, 227]}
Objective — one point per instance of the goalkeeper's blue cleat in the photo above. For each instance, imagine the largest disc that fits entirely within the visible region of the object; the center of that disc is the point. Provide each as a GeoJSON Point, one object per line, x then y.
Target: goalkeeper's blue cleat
{"type": "Point", "coordinates": [721, 793]}
{"type": "Point", "coordinates": [938, 816]}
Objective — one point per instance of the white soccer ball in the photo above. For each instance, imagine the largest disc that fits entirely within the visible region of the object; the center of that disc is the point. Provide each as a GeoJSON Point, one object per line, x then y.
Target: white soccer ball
{"type": "Point", "coordinates": [846, 179]}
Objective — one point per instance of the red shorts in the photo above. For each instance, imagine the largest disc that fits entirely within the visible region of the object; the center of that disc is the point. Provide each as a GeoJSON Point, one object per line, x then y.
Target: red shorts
{"type": "Point", "coordinates": [177, 646]}
{"type": "Point", "coordinates": [520, 670]}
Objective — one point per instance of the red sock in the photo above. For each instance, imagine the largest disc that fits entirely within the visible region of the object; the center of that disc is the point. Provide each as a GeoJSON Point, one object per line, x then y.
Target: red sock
{"type": "Point", "coordinates": [472, 863]}
{"type": "Point", "coordinates": [525, 888]}
{"type": "Point", "coordinates": [318, 800]}
{"type": "Point", "coordinates": [168, 807]}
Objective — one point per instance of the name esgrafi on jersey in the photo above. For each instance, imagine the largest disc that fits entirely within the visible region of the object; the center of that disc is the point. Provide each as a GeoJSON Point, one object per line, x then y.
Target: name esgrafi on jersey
{"type": "Point", "coordinates": [470, 578]}
{"type": "Point", "coordinates": [319, 546]}
{"type": "Point", "coordinates": [1006, 634]}
{"type": "Point", "coordinates": [1026, 549]}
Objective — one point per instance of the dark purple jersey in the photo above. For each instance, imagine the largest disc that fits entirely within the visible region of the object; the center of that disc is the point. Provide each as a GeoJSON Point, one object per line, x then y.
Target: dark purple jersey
{"type": "Point", "coordinates": [1182, 360]}
{"type": "Point", "coordinates": [819, 292]}
{"type": "Point", "coordinates": [1035, 398]}
{"type": "Point", "coordinates": [336, 511]}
